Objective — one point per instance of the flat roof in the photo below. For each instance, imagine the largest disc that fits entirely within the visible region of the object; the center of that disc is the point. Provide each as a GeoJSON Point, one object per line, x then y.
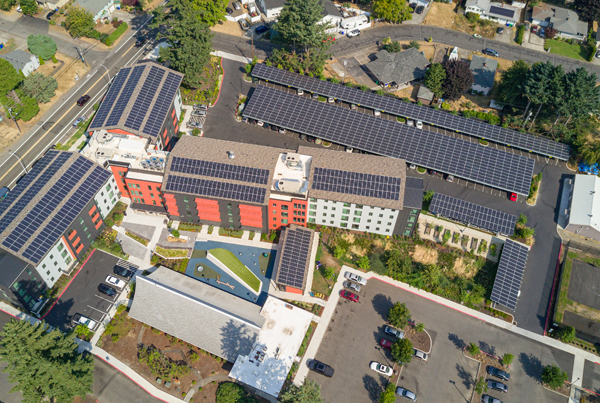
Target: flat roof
{"type": "Point", "coordinates": [585, 205]}
{"type": "Point", "coordinates": [267, 365]}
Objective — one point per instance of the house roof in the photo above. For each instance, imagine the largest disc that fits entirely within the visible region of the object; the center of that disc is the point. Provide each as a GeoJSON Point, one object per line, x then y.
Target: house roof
{"type": "Point", "coordinates": [11, 268]}
{"type": "Point", "coordinates": [17, 58]}
{"type": "Point", "coordinates": [425, 93]}
{"type": "Point", "coordinates": [271, 4]}
{"type": "Point", "coordinates": [400, 67]}
{"type": "Point", "coordinates": [585, 204]}
{"type": "Point", "coordinates": [562, 19]}
{"type": "Point", "coordinates": [93, 6]}
{"type": "Point", "coordinates": [329, 7]}
{"type": "Point", "coordinates": [483, 4]}
{"type": "Point", "coordinates": [413, 192]}
{"type": "Point", "coordinates": [484, 71]}
{"type": "Point", "coordinates": [197, 313]}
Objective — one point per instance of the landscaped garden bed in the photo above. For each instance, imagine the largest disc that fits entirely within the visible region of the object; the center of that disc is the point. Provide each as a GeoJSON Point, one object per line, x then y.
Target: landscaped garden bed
{"type": "Point", "coordinates": [189, 227]}
{"type": "Point", "coordinates": [231, 233]}
{"type": "Point", "coordinates": [179, 265]}
{"type": "Point", "coordinates": [272, 236]}
{"type": "Point", "coordinates": [315, 309]}
{"type": "Point", "coordinates": [419, 337]}
{"type": "Point", "coordinates": [171, 253]}
{"type": "Point", "coordinates": [137, 238]}
{"type": "Point", "coordinates": [534, 189]}
{"type": "Point", "coordinates": [208, 92]}
{"type": "Point", "coordinates": [107, 242]}
{"type": "Point", "coordinates": [115, 217]}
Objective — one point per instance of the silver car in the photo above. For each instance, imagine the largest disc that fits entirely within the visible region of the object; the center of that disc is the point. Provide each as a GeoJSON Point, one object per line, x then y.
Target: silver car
{"type": "Point", "coordinates": [352, 286]}
{"type": "Point", "coordinates": [420, 354]}
{"type": "Point", "coordinates": [394, 332]}
{"type": "Point", "coordinates": [489, 399]}
{"type": "Point", "coordinates": [356, 278]}
{"type": "Point", "coordinates": [407, 394]}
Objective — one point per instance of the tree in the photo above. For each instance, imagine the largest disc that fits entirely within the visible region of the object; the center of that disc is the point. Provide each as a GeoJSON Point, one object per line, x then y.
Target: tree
{"type": "Point", "coordinates": [299, 24]}
{"type": "Point", "coordinates": [419, 328]}
{"type": "Point", "coordinates": [588, 10]}
{"type": "Point", "coordinates": [581, 96]}
{"type": "Point", "coordinates": [364, 263]}
{"type": "Point", "coordinates": [42, 46]}
{"type": "Point", "coordinates": [28, 7]}
{"type": "Point", "coordinates": [338, 252]}
{"type": "Point", "coordinates": [507, 359]}
{"type": "Point", "coordinates": [7, 5]}
{"type": "Point", "coordinates": [522, 220]}
{"type": "Point", "coordinates": [399, 264]}
{"type": "Point", "coordinates": [79, 22]}
{"type": "Point", "coordinates": [550, 32]}
{"type": "Point", "coordinates": [566, 334]}
{"type": "Point", "coordinates": [590, 152]}
{"type": "Point", "coordinates": [392, 10]}
{"type": "Point", "coordinates": [414, 44]}
{"type": "Point", "coordinates": [389, 394]}
{"type": "Point", "coordinates": [328, 272]}
{"type": "Point", "coordinates": [510, 89]}
{"type": "Point", "coordinates": [553, 376]}
{"type": "Point", "coordinates": [40, 87]}
{"type": "Point", "coordinates": [537, 85]}
{"type": "Point", "coordinates": [308, 392]}
{"type": "Point", "coordinates": [398, 315]}
{"type": "Point", "coordinates": [229, 392]}
{"type": "Point", "coordinates": [435, 78]}
{"type": "Point", "coordinates": [189, 41]}
{"type": "Point", "coordinates": [44, 365]}
{"type": "Point", "coordinates": [209, 12]}
{"type": "Point", "coordinates": [402, 351]}
{"type": "Point", "coordinates": [473, 349]}
{"type": "Point", "coordinates": [393, 47]}
{"type": "Point", "coordinates": [9, 77]}
{"type": "Point", "coordinates": [481, 386]}
{"type": "Point", "coordinates": [459, 78]}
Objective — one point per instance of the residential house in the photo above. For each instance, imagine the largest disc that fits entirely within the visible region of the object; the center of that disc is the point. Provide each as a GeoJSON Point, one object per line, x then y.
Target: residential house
{"type": "Point", "coordinates": [331, 14]}
{"type": "Point", "coordinates": [22, 61]}
{"type": "Point", "coordinates": [403, 68]}
{"type": "Point", "coordinates": [100, 9]}
{"type": "Point", "coordinates": [484, 72]}
{"type": "Point", "coordinates": [565, 21]}
{"type": "Point", "coordinates": [501, 13]}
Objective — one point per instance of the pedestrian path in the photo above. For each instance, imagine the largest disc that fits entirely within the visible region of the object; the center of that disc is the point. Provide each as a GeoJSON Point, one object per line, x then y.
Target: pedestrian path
{"type": "Point", "coordinates": [230, 56]}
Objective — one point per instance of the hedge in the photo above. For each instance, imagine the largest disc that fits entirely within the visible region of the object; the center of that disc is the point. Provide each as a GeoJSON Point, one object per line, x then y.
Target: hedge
{"type": "Point", "coordinates": [520, 32]}
{"type": "Point", "coordinates": [116, 34]}
{"type": "Point", "coordinates": [593, 50]}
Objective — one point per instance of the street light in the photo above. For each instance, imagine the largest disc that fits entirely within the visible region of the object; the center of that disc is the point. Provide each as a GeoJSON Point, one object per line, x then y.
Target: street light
{"type": "Point", "coordinates": [107, 73]}
{"type": "Point", "coordinates": [19, 158]}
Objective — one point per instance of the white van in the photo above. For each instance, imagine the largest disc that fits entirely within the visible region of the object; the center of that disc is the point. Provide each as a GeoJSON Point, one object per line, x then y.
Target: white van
{"type": "Point", "coordinates": [358, 22]}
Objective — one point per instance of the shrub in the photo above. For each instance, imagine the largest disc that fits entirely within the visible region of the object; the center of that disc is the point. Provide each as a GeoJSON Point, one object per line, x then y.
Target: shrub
{"type": "Point", "coordinates": [398, 315]}
{"type": "Point", "coordinates": [110, 39]}
{"type": "Point", "coordinates": [472, 17]}
{"type": "Point", "coordinates": [338, 252]}
{"type": "Point", "coordinates": [175, 233]}
{"type": "Point", "coordinates": [402, 351]}
{"type": "Point", "coordinates": [393, 47]}
{"type": "Point", "coordinates": [481, 386]}
{"type": "Point", "coordinates": [473, 349]}
{"type": "Point", "coordinates": [520, 32]}
{"type": "Point", "coordinates": [419, 328]}
{"type": "Point", "coordinates": [507, 359]}
{"type": "Point", "coordinates": [414, 44]}
{"type": "Point", "coordinates": [54, 59]}
{"type": "Point", "coordinates": [566, 334]}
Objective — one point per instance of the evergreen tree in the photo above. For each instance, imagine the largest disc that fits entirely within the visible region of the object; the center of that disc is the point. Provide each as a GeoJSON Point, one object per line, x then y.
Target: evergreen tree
{"type": "Point", "coordinates": [7, 5]}
{"type": "Point", "coordinates": [308, 392]}
{"type": "Point", "coordinates": [28, 7]}
{"type": "Point", "coordinates": [42, 46]}
{"type": "Point", "coordinates": [44, 365]}
{"type": "Point", "coordinates": [434, 79]}
{"type": "Point", "coordinates": [581, 95]}
{"type": "Point", "coordinates": [588, 10]}
{"type": "Point", "coordinates": [402, 351]}
{"type": "Point", "coordinates": [459, 78]}
{"type": "Point", "coordinates": [510, 89]}
{"type": "Point", "coordinates": [398, 315]}
{"type": "Point", "coordinates": [300, 24]}
{"type": "Point", "coordinates": [389, 394]}
{"type": "Point", "coordinates": [553, 376]}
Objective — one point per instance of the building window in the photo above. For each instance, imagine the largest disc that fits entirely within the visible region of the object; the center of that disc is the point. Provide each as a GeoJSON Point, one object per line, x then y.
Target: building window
{"type": "Point", "coordinates": [64, 254]}
{"type": "Point", "coordinates": [331, 222]}
{"type": "Point", "coordinates": [333, 208]}
{"type": "Point", "coordinates": [89, 236]}
{"type": "Point", "coordinates": [346, 204]}
{"type": "Point", "coordinates": [344, 218]}
{"type": "Point", "coordinates": [44, 266]}
{"type": "Point", "coordinates": [303, 206]}
{"type": "Point", "coordinates": [324, 207]}
{"type": "Point", "coordinates": [411, 219]}
{"type": "Point", "coordinates": [51, 278]}
{"type": "Point", "coordinates": [60, 247]}
{"type": "Point", "coordinates": [185, 199]}
{"type": "Point", "coordinates": [389, 223]}
{"type": "Point", "coordinates": [323, 222]}
{"type": "Point", "coordinates": [158, 188]}
{"type": "Point", "coordinates": [378, 222]}
{"type": "Point", "coordinates": [48, 272]}
{"type": "Point", "coordinates": [311, 220]}
{"type": "Point", "coordinates": [376, 229]}
{"type": "Point", "coordinates": [295, 205]}
{"type": "Point", "coordinates": [81, 220]}
{"type": "Point", "coordinates": [358, 213]}
{"type": "Point", "coordinates": [367, 227]}
{"type": "Point", "coordinates": [284, 221]}
{"type": "Point", "coordinates": [274, 219]}
{"type": "Point", "coordinates": [324, 214]}
{"type": "Point", "coordinates": [387, 230]}
{"type": "Point", "coordinates": [230, 219]}
{"type": "Point", "coordinates": [415, 211]}
{"type": "Point", "coordinates": [391, 217]}
{"type": "Point", "coordinates": [312, 213]}
{"type": "Point", "coordinates": [152, 195]}
{"type": "Point", "coordinates": [359, 206]}
{"type": "Point", "coordinates": [51, 256]}
{"type": "Point", "coordinates": [29, 271]}
{"type": "Point", "coordinates": [284, 207]}
{"type": "Point", "coordinates": [380, 215]}
{"type": "Point", "coordinates": [284, 214]}
{"type": "Point", "coordinates": [313, 206]}
{"type": "Point", "coordinates": [312, 199]}
{"type": "Point", "coordinates": [274, 211]}
{"type": "Point", "coordinates": [149, 187]}
{"type": "Point", "coordinates": [344, 225]}
{"type": "Point", "coordinates": [345, 211]}
{"type": "Point", "coordinates": [354, 226]}
{"type": "Point", "coordinates": [370, 214]}
{"type": "Point", "coordinates": [356, 219]}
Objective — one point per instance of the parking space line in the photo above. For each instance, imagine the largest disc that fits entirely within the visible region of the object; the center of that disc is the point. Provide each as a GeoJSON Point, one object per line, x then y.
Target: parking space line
{"type": "Point", "coordinates": [107, 300]}
{"type": "Point", "coordinates": [102, 312]}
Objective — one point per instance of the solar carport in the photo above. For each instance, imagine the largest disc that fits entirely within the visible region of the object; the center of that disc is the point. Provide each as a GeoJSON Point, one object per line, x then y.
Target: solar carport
{"type": "Point", "coordinates": [395, 106]}
{"type": "Point", "coordinates": [474, 162]}
{"type": "Point", "coordinates": [509, 276]}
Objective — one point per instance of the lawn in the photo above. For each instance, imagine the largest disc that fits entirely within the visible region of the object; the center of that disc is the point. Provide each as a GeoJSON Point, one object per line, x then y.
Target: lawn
{"type": "Point", "coordinates": [575, 51]}
{"type": "Point", "coordinates": [233, 263]}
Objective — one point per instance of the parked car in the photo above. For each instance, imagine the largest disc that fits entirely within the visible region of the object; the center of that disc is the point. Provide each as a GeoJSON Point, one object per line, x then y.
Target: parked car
{"type": "Point", "coordinates": [200, 107]}
{"type": "Point", "coordinates": [450, 178]}
{"type": "Point", "coordinates": [499, 386]}
{"type": "Point", "coordinates": [405, 393]}
{"type": "Point", "coordinates": [244, 25]}
{"type": "Point", "coordinates": [477, 36]}
{"type": "Point", "coordinates": [432, 172]}
{"type": "Point", "coordinates": [4, 192]}
{"type": "Point", "coordinates": [489, 399]}
{"type": "Point", "coordinates": [349, 296]}
{"type": "Point", "coordinates": [534, 29]}
{"type": "Point", "coordinates": [353, 107]}
{"type": "Point", "coordinates": [500, 30]}
{"type": "Point", "coordinates": [123, 272]}
{"type": "Point", "coordinates": [236, 5]}
{"type": "Point", "coordinates": [261, 29]}
{"type": "Point", "coordinates": [300, 91]}
{"type": "Point", "coordinates": [421, 355]}
{"type": "Point", "coordinates": [598, 54]}
{"type": "Point", "coordinates": [376, 113]}
{"type": "Point", "coordinates": [260, 124]}
{"type": "Point", "coordinates": [386, 344]}
{"type": "Point", "coordinates": [330, 100]}
{"type": "Point", "coordinates": [105, 289]}
{"type": "Point", "coordinates": [321, 368]}
{"type": "Point", "coordinates": [352, 286]}
{"type": "Point", "coordinates": [274, 128]}
{"type": "Point", "coordinates": [419, 124]}
{"type": "Point", "coordinates": [303, 137]}
{"type": "Point", "coordinates": [353, 33]}
{"type": "Point", "coordinates": [419, 10]}
{"type": "Point", "coordinates": [78, 121]}
{"type": "Point", "coordinates": [112, 280]}
{"type": "Point", "coordinates": [394, 332]}
{"type": "Point", "coordinates": [356, 278]}
{"type": "Point", "coordinates": [349, 150]}
{"type": "Point", "coordinates": [82, 101]}
{"type": "Point", "coordinates": [84, 320]}
{"type": "Point", "coordinates": [410, 122]}
{"type": "Point", "coordinates": [315, 96]}
{"type": "Point", "coordinates": [199, 113]}
{"type": "Point", "coordinates": [498, 373]}
{"type": "Point", "coordinates": [266, 126]}
{"type": "Point", "coordinates": [490, 52]}
{"type": "Point", "coordinates": [50, 14]}
{"type": "Point", "coordinates": [542, 32]}
{"type": "Point", "coordinates": [513, 197]}
{"type": "Point", "coordinates": [281, 130]}
{"type": "Point", "coordinates": [141, 41]}
{"type": "Point", "coordinates": [228, 10]}
{"type": "Point", "coordinates": [381, 369]}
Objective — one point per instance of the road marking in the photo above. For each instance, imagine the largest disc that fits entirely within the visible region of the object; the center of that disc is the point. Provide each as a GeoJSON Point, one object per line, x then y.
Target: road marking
{"type": "Point", "coordinates": [102, 312]}
{"type": "Point", "coordinates": [107, 300]}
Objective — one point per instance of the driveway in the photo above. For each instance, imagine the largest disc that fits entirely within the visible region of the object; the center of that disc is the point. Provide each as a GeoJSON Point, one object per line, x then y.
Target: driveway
{"type": "Point", "coordinates": [355, 329]}
{"type": "Point", "coordinates": [508, 36]}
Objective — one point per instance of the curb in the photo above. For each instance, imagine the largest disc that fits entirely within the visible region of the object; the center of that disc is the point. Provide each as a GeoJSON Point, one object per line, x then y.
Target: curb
{"type": "Point", "coordinates": [553, 391]}
{"type": "Point", "coordinates": [536, 198]}
{"type": "Point", "coordinates": [222, 78]}
{"type": "Point", "coordinates": [430, 342]}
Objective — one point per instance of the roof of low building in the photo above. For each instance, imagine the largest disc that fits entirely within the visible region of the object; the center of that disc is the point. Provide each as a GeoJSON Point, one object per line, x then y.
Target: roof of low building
{"type": "Point", "coordinates": [11, 268]}
{"type": "Point", "coordinates": [483, 4]}
{"type": "Point", "coordinates": [399, 67]}
{"type": "Point", "coordinates": [425, 93]}
{"type": "Point", "coordinates": [562, 19]}
{"type": "Point", "coordinates": [585, 204]}
{"type": "Point", "coordinates": [484, 71]}
{"type": "Point", "coordinates": [295, 260]}
{"type": "Point", "coordinates": [18, 58]}
{"type": "Point", "coordinates": [413, 193]}
{"type": "Point", "coordinates": [328, 7]}
{"type": "Point", "coordinates": [197, 313]}
{"type": "Point", "coordinates": [93, 6]}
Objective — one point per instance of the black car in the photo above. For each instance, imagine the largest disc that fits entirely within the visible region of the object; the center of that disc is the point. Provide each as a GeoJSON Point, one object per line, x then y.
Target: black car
{"type": "Point", "coordinates": [498, 373]}
{"type": "Point", "coordinates": [261, 29]}
{"type": "Point", "coordinates": [104, 289]}
{"type": "Point", "coordinates": [81, 101]}
{"type": "Point", "coordinates": [50, 14]}
{"type": "Point", "coordinates": [500, 30]}
{"type": "Point", "coordinates": [123, 272]}
{"type": "Point", "coordinates": [228, 10]}
{"type": "Point", "coordinates": [321, 368]}
{"type": "Point", "coordinates": [419, 10]}
{"type": "Point", "coordinates": [141, 42]}
{"type": "Point", "coordinates": [274, 128]}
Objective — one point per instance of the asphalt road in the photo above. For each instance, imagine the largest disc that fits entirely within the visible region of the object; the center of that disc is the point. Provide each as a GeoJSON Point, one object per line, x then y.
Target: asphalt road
{"type": "Point", "coordinates": [58, 121]}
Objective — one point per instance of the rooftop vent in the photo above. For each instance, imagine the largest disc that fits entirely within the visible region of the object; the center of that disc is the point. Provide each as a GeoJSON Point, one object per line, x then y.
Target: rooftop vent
{"type": "Point", "coordinates": [231, 154]}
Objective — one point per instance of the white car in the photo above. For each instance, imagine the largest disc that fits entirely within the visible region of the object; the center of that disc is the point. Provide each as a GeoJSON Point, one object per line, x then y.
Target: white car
{"type": "Point", "coordinates": [356, 278]}
{"type": "Point", "coordinates": [381, 369]}
{"type": "Point", "coordinates": [112, 280]}
{"type": "Point", "coordinates": [412, 166]}
{"type": "Point", "coordinates": [87, 322]}
{"type": "Point", "coordinates": [352, 286]}
{"type": "Point", "coordinates": [300, 92]}
{"type": "Point", "coordinates": [420, 354]}
{"type": "Point", "coordinates": [353, 33]}
{"type": "Point", "coordinates": [330, 100]}
{"type": "Point", "coordinates": [376, 113]}
{"type": "Point", "coordinates": [410, 122]}
{"type": "Point", "coordinates": [419, 124]}
{"type": "Point", "coordinates": [261, 124]}
{"type": "Point", "coordinates": [349, 150]}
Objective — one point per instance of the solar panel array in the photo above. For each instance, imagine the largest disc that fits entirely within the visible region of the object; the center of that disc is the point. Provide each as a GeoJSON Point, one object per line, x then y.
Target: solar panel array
{"type": "Point", "coordinates": [356, 183]}
{"type": "Point", "coordinates": [425, 114]}
{"type": "Point", "coordinates": [292, 268]}
{"type": "Point", "coordinates": [43, 209]}
{"type": "Point", "coordinates": [502, 11]}
{"type": "Point", "coordinates": [44, 241]}
{"type": "Point", "coordinates": [126, 94]}
{"type": "Point", "coordinates": [145, 98]}
{"type": "Point", "coordinates": [222, 190]}
{"type": "Point", "coordinates": [34, 187]}
{"type": "Point", "coordinates": [485, 165]}
{"type": "Point", "coordinates": [220, 170]}
{"type": "Point", "coordinates": [110, 98]}
{"type": "Point", "coordinates": [162, 104]}
{"type": "Point", "coordinates": [510, 274]}
{"type": "Point", "coordinates": [473, 214]}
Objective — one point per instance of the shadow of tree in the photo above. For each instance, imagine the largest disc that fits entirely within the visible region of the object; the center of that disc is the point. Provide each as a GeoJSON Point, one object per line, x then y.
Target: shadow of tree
{"type": "Point", "coordinates": [485, 347]}
{"type": "Point", "coordinates": [457, 341]}
{"type": "Point", "coordinates": [59, 315]}
{"type": "Point", "coordinates": [531, 365]}
{"type": "Point", "coordinates": [372, 387]}
{"type": "Point", "coordinates": [236, 339]}
{"type": "Point", "coordinates": [465, 376]}
{"type": "Point", "coordinates": [382, 304]}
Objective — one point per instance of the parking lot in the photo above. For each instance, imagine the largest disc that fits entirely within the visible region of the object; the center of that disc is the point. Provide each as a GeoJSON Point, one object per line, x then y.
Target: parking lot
{"type": "Point", "coordinates": [351, 343]}
{"type": "Point", "coordinates": [82, 296]}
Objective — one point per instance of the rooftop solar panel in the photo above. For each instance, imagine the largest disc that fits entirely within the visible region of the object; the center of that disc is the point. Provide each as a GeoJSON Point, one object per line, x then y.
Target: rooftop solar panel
{"type": "Point", "coordinates": [127, 92]}
{"type": "Point", "coordinates": [464, 159]}
{"type": "Point", "coordinates": [145, 98]}
{"type": "Point", "coordinates": [356, 183]}
{"type": "Point", "coordinates": [109, 99]}
{"type": "Point", "coordinates": [162, 104]}
{"type": "Point", "coordinates": [223, 190]}
{"type": "Point", "coordinates": [219, 170]}
{"type": "Point", "coordinates": [394, 106]}
{"type": "Point", "coordinates": [502, 11]}
{"type": "Point", "coordinates": [510, 274]}
{"type": "Point", "coordinates": [473, 214]}
{"type": "Point", "coordinates": [296, 249]}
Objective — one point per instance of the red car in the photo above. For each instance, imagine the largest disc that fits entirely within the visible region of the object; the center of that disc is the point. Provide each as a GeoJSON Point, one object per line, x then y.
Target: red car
{"type": "Point", "coordinates": [386, 344]}
{"type": "Point", "coordinates": [349, 295]}
{"type": "Point", "coordinates": [513, 197]}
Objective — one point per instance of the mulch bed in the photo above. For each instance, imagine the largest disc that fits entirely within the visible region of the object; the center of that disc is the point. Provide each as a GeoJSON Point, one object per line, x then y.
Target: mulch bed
{"type": "Point", "coordinates": [420, 341]}
{"type": "Point", "coordinates": [564, 390]}
{"type": "Point", "coordinates": [485, 361]}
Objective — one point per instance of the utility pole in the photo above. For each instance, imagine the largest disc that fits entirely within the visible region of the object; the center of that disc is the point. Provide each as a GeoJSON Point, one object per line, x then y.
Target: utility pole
{"type": "Point", "coordinates": [9, 110]}
{"type": "Point", "coordinates": [19, 158]}
{"type": "Point", "coordinates": [253, 46]}
{"type": "Point", "coordinates": [81, 56]}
